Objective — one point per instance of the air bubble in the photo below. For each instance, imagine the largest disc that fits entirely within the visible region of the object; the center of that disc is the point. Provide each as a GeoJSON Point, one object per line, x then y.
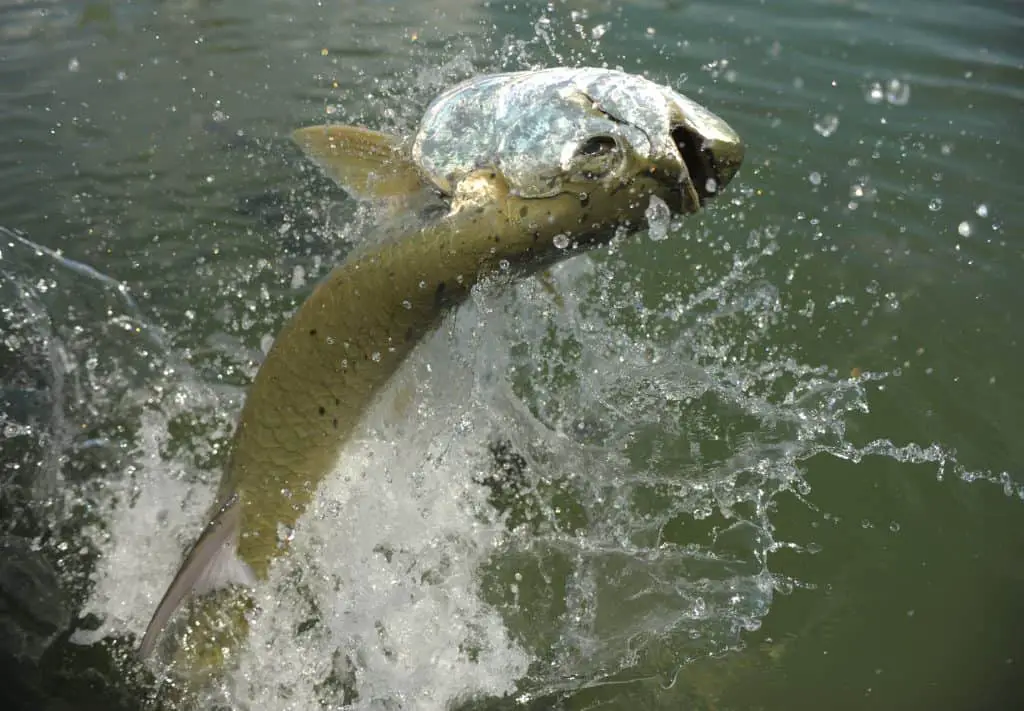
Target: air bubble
{"type": "Point", "coordinates": [981, 210]}
{"type": "Point", "coordinates": [935, 204]}
{"type": "Point", "coordinates": [814, 178]}
{"type": "Point", "coordinates": [964, 228]}
{"type": "Point", "coordinates": [561, 241]}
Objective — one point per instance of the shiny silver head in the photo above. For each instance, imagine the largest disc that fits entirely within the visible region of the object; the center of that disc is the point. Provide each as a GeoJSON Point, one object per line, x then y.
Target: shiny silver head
{"type": "Point", "coordinates": [562, 130]}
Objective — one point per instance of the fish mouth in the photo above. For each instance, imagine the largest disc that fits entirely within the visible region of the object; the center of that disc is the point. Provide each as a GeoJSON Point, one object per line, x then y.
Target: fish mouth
{"type": "Point", "coordinates": [710, 163]}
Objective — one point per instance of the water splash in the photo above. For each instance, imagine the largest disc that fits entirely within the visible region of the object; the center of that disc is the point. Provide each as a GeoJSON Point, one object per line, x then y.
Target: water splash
{"type": "Point", "coordinates": [649, 438]}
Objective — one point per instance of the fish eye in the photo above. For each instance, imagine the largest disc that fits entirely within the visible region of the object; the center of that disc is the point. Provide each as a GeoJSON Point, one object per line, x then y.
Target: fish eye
{"type": "Point", "coordinates": [596, 146]}
{"type": "Point", "coordinates": [596, 157]}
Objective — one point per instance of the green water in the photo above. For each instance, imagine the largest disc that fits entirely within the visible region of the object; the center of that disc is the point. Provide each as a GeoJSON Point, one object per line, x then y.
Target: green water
{"type": "Point", "coordinates": [854, 310]}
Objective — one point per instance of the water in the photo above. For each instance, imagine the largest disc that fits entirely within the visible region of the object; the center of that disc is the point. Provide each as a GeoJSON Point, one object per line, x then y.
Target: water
{"type": "Point", "coordinates": [769, 457]}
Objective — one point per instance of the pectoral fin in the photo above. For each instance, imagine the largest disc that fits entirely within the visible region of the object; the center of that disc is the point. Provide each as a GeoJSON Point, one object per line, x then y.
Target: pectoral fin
{"type": "Point", "coordinates": [368, 164]}
{"type": "Point", "coordinates": [212, 563]}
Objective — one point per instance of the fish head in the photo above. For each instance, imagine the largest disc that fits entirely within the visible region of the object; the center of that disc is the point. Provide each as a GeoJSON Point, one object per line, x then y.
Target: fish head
{"type": "Point", "coordinates": [610, 136]}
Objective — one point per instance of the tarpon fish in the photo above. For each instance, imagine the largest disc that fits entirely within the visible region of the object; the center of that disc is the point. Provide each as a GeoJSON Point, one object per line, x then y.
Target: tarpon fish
{"type": "Point", "coordinates": [530, 168]}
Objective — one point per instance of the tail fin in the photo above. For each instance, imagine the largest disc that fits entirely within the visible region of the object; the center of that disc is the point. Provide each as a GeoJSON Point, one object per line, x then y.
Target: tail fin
{"type": "Point", "coordinates": [212, 563]}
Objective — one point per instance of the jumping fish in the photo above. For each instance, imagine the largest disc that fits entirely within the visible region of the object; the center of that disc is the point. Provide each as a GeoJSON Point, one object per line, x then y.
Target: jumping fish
{"type": "Point", "coordinates": [530, 168]}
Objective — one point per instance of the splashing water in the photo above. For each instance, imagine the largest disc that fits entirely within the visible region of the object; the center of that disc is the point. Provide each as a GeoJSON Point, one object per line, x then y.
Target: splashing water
{"type": "Point", "coordinates": [573, 479]}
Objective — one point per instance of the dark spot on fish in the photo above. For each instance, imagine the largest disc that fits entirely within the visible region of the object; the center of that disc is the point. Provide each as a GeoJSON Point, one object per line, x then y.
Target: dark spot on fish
{"type": "Point", "coordinates": [337, 401]}
{"type": "Point", "coordinates": [524, 211]}
{"type": "Point", "coordinates": [335, 423]}
{"type": "Point", "coordinates": [493, 176]}
{"type": "Point", "coordinates": [497, 239]}
{"type": "Point", "coordinates": [410, 334]}
{"type": "Point", "coordinates": [322, 410]}
{"type": "Point", "coordinates": [312, 331]}
{"type": "Point", "coordinates": [536, 236]}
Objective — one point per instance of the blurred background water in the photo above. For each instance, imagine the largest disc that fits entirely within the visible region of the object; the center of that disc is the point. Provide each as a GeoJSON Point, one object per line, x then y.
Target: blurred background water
{"type": "Point", "coordinates": [770, 462]}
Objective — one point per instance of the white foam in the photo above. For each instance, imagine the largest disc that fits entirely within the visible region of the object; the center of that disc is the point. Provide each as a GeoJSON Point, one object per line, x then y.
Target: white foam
{"type": "Point", "coordinates": [387, 556]}
{"type": "Point", "coordinates": [149, 517]}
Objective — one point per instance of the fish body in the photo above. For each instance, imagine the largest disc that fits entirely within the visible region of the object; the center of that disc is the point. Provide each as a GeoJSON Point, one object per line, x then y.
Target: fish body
{"type": "Point", "coordinates": [531, 168]}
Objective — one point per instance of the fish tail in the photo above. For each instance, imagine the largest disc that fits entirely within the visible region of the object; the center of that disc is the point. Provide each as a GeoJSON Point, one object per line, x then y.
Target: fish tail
{"type": "Point", "coordinates": [213, 570]}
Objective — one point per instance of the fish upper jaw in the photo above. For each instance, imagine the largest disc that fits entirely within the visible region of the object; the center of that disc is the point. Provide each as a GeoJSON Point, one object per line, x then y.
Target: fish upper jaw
{"type": "Point", "coordinates": [711, 150]}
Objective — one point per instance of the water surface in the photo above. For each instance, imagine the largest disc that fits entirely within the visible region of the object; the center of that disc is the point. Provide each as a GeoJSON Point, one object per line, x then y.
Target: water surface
{"type": "Point", "coordinates": [770, 462]}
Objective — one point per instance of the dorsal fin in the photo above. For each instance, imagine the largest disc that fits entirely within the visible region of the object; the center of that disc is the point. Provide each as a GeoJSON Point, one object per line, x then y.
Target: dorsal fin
{"type": "Point", "coordinates": [369, 165]}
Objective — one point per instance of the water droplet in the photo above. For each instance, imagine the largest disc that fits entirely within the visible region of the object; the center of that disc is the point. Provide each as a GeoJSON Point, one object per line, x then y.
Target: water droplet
{"type": "Point", "coordinates": [561, 241]}
{"type": "Point", "coordinates": [700, 607]}
{"type": "Point", "coordinates": [935, 204]}
{"type": "Point", "coordinates": [266, 342]}
{"type": "Point", "coordinates": [711, 186]}
{"type": "Point", "coordinates": [875, 93]}
{"type": "Point", "coordinates": [598, 32]}
{"type": "Point", "coordinates": [827, 125]}
{"type": "Point", "coordinates": [863, 190]}
{"type": "Point", "coordinates": [121, 75]}
{"type": "Point", "coordinates": [659, 218]}
{"type": "Point", "coordinates": [209, 178]}
{"type": "Point", "coordinates": [651, 31]}
{"type": "Point", "coordinates": [406, 304]}
{"type": "Point", "coordinates": [897, 92]}
{"type": "Point", "coordinates": [503, 265]}
{"type": "Point", "coordinates": [284, 534]}
{"type": "Point", "coordinates": [964, 228]}
{"type": "Point", "coordinates": [814, 178]}
{"type": "Point", "coordinates": [982, 210]}
{"type": "Point", "coordinates": [375, 357]}
{"type": "Point", "coordinates": [74, 65]}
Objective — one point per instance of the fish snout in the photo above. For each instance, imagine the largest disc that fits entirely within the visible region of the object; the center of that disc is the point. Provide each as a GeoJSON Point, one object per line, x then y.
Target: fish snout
{"type": "Point", "coordinates": [712, 153]}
